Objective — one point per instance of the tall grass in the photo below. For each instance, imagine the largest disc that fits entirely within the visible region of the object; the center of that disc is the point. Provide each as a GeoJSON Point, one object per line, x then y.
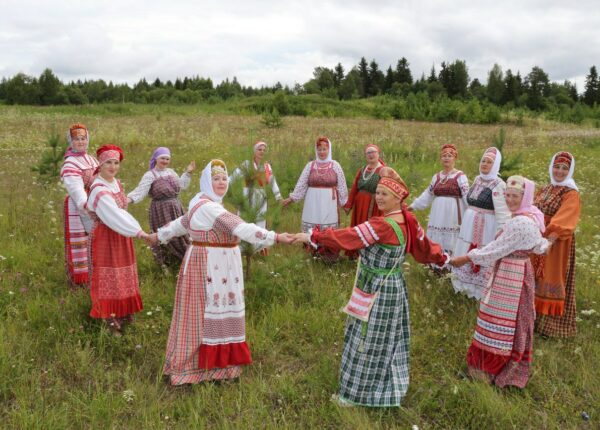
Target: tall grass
{"type": "Point", "coordinates": [60, 369]}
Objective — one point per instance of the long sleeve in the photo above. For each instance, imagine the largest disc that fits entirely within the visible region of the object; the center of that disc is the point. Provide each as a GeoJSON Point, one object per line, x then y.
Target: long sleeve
{"type": "Point", "coordinates": [115, 218]}
{"type": "Point", "coordinates": [302, 184]}
{"type": "Point", "coordinates": [519, 234]}
{"type": "Point", "coordinates": [342, 187]}
{"type": "Point", "coordinates": [173, 229]}
{"type": "Point", "coordinates": [375, 230]}
{"type": "Point", "coordinates": [239, 171]}
{"type": "Point", "coordinates": [75, 189]}
{"type": "Point", "coordinates": [565, 220]}
{"type": "Point", "coordinates": [426, 251]}
{"type": "Point", "coordinates": [141, 191]}
{"type": "Point", "coordinates": [501, 211]}
{"type": "Point", "coordinates": [353, 190]}
{"type": "Point", "coordinates": [463, 184]}
{"type": "Point", "coordinates": [426, 198]}
{"type": "Point", "coordinates": [184, 180]}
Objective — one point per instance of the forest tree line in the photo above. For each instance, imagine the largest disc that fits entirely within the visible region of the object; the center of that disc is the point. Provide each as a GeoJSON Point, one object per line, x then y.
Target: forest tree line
{"type": "Point", "coordinates": [451, 81]}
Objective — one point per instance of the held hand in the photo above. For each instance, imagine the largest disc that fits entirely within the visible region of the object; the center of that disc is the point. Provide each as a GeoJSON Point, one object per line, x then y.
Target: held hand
{"type": "Point", "coordinates": [129, 200]}
{"type": "Point", "coordinates": [301, 238]}
{"type": "Point", "coordinates": [410, 209]}
{"type": "Point", "coordinates": [285, 238]}
{"type": "Point", "coordinates": [286, 202]}
{"type": "Point", "coordinates": [151, 239]}
{"type": "Point", "coordinates": [191, 167]}
{"type": "Point", "coordinates": [459, 261]}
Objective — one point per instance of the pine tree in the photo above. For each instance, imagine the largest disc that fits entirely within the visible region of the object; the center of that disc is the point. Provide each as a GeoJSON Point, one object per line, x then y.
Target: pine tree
{"type": "Point", "coordinates": [538, 88]}
{"type": "Point", "coordinates": [432, 75]}
{"type": "Point", "coordinates": [389, 80]}
{"type": "Point", "coordinates": [338, 75]}
{"type": "Point", "coordinates": [49, 86]}
{"type": "Point", "coordinates": [495, 85]}
{"type": "Point", "coordinates": [591, 93]}
{"type": "Point", "coordinates": [363, 72]}
{"type": "Point", "coordinates": [376, 79]}
{"type": "Point", "coordinates": [403, 74]}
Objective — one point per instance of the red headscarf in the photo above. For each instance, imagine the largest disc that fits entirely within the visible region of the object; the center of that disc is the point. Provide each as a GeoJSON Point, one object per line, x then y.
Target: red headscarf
{"type": "Point", "coordinates": [451, 148]}
{"type": "Point", "coordinates": [108, 152]}
{"type": "Point", "coordinates": [73, 132]}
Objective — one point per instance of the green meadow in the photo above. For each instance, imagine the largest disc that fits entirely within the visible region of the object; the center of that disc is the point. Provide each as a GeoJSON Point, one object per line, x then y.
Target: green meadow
{"type": "Point", "coordinates": [59, 369]}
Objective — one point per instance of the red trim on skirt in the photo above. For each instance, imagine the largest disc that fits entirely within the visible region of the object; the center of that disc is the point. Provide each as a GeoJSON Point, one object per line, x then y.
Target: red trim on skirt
{"type": "Point", "coordinates": [224, 355]}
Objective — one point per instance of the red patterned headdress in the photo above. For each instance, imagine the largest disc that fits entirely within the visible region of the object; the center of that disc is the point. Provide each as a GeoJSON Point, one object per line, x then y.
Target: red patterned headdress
{"type": "Point", "coordinates": [75, 129]}
{"type": "Point", "coordinates": [322, 140]}
{"type": "Point", "coordinates": [393, 182]}
{"type": "Point", "coordinates": [109, 152]}
{"type": "Point", "coordinates": [449, 148]}
{"type": "Point", "coordinates": [563, 158]}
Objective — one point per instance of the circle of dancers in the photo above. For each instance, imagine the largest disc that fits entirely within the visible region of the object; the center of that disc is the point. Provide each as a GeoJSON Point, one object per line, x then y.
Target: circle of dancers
{"type": "Point", "coordinates": [506, 245]}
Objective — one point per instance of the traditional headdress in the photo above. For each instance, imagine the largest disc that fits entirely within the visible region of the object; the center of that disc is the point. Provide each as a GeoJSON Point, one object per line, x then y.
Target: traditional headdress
{"type": "Point", "coordinates": [74, 131]}
{"type": "Point", "coordinates": [391, 180]}
{"type": "Point", "coordinates": [161, 151]}
{"type": "Point", "coordinates": [213, 168]}
{"type": "Point", "coordinates": [322, 140]}
{"type": "Point", "coordinates": [108, 152]}
{"type": "Point", "coordinates": [527, 187]}
{"type": "Point", "coordinates": [372, 145]}
{"type": "Point", "coordinates": [493, 154]}
{"type": "Point", "coordinates": [259, 144]}
{"type": "Point", "coordinates": [567, 159]}
{"type": "Point", "coordinates": [449, 148]}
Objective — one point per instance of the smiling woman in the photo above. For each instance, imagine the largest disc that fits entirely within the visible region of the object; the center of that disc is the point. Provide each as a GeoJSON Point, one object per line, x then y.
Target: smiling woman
{"type": "Point", "coordinates": [114, 287]}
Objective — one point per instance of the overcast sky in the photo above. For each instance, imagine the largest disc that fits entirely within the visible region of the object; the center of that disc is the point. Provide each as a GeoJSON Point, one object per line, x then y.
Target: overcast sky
{"type": "Point", "coordinates": [262, 42]}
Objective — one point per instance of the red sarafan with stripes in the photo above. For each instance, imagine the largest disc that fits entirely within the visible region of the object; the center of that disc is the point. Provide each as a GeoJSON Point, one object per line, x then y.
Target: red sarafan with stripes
{"type": "Point", "coordinates": [114, 287]}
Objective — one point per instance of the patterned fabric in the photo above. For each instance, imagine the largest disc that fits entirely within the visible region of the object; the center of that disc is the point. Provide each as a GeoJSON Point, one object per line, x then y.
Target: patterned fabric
{"type": "Point", "coordinates": [480, 193]}
{"type": "Point", "coordinates": [207, 334]}
{"type": "Point", "coordinates": [448, 188]}
{"type": "Point", "coordinates": [549, 201]}
{"type": "Point", "coordinates": [164, 208]}
{"type": "Point", "coordinates": [76, 237]}
{"type": "Point", "coordinates": [498, 308]}
{"type": "Point", "coordinates": [114, 288]}
{"type": "Point", "coordinates": [375, 361]}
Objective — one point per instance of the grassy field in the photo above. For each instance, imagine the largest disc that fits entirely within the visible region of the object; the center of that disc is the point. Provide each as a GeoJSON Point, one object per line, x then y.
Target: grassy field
{"type": "Point", "coordinates": [60, 369]}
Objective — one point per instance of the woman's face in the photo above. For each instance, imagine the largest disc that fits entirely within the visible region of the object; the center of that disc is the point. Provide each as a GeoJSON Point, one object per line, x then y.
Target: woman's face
{"type": "Point", "coordinates": [109, 169]}
{"type": "Point", "coordinates": [513, 199]}
{"type": "Point", "coordinates": [219, 184]}
{"type": "Point", "coordinates": [80, 140]}
{"type": "Point", "coordinates": [447, 160]}
{"type": "Point", "coordinates": [386, 201]}
{"type": "Point", "coordinates": [322, 151]}
{"type": "Point", "coordinates": [485, 166]}
{"type": "Point", "coordinates": [163, 162]}
{"type": "Point", "coordinates": [372, 155]}
{"type": "Point", "coordinates": [259, 152]}
{"type": "Point", "coordinates": [560, 172]}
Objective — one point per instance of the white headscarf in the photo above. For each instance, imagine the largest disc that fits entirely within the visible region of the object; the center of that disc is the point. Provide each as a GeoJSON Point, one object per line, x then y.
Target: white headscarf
{"type": "Point", "coordinates": [328, 159]}
{"type": "Point", "coordinates": [206, 188]}
{"type": "Point", "coordinates": [496, 166]}
{"type": "Point", "coordinates": [259, 144]}
{"type": "Point", "coordinates": [568, 182]}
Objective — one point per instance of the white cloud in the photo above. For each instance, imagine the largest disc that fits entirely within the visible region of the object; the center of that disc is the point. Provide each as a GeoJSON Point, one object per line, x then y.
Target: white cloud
{"type": "Point", "coordinates": [262, 42]}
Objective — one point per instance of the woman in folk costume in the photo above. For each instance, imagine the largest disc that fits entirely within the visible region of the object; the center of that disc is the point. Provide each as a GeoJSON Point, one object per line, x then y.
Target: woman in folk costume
{"type": "Point", "coordinates": [77, 174]}
{"type": "Point", "coordinates": [163, 185]}
{"type": "Point", "coordinates": [257, 174]}
{"type": "Point", "coordinates": [486, 214]}
{"type": "Point", "coordinates": [361, 199]}
{"type": "Point", "coordinates": [502, 346]}
{"type": "Point", "coordinates": [375, 361]}
{"type": "Point", "coordinates": [114, 287]}
{"type": "Point", "coordinates": [447, 195]}
{"type": "Point", "coordinates": [555, 272]}
{"type": "Point", "coordinates": [322, 185]}
{"type": "Point", "coordinates": [207, 339]}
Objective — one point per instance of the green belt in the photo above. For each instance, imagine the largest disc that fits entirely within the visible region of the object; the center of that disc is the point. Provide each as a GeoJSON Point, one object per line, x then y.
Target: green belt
{"type": "Point", "coordinates": [378, 271]}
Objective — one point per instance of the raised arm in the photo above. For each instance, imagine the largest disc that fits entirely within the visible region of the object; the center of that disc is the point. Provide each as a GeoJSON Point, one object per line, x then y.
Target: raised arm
{"type": "Point", "coordinates": [141, 191]}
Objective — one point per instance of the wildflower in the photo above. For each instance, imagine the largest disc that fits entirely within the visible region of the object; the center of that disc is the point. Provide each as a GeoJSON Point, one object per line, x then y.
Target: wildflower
{"type": "Point", "coordinates": [2, 258]}
{"type": "Point", "coordinates": [577, 350]}
{"type": "Point", "coordinates": [128, 395]}
{"type": "Point", "coordinates": [138, 346]}
{"type": "Point", "coordinates": [11, 293]}
{"type": "Point", "coordinates": [588, 312]}
{"type": "Point", "coordinates": [149, 313]}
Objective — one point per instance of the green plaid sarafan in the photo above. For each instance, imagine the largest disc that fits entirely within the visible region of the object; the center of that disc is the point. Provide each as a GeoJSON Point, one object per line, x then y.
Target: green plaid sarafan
{"type": "Point", "coordinates": [375, 361]}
